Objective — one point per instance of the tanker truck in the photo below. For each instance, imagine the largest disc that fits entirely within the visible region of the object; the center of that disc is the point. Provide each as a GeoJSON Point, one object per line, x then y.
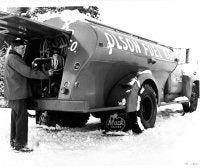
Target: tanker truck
{"type": "Point", "coordinates": [105, 72]}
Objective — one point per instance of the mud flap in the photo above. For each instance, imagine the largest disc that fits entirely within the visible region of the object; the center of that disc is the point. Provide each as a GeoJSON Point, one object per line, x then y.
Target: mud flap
{"type": "Point", "coordinates": [133, 100]}
{"type": "Point", "coordinates": [115, 122]}
{"type": "Point", "coordinates": [120, 123]}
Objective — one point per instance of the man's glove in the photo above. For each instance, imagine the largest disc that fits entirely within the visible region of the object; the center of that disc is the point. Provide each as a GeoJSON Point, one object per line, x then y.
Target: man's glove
{"type": "Point", "coordinates": [48, 72]}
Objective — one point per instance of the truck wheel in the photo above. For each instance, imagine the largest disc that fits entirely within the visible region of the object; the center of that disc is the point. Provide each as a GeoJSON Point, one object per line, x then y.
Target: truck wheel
{"type": "Point", "coordinates": [148, 107]}
{"type": "Point", "coordinates": [97, 115]}
{"type": "Point", "coordinates": [191, 106]}
{"type": "Point", "coordinates": [72, 119]}
{"type": "Point", "coordinates": [46, 118]}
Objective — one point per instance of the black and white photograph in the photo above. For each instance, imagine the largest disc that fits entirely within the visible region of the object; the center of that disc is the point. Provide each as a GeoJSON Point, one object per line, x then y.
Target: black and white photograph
{"type": "Point", "coordinates": [102, 83]}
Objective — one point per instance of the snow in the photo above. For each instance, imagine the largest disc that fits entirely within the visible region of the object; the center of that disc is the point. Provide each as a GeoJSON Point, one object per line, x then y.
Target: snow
{"type": "Point", "coordinates": [62, 19]}
{"type": "Point", "coordinates": [174, 141]}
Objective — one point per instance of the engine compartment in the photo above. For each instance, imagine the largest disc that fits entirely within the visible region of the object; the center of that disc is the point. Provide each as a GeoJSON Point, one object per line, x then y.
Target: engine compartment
{"type": "Point", "coordinates": [47, 53]}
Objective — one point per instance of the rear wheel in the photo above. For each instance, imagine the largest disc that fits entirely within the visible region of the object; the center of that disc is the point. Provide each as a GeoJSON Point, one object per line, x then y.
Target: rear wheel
{"type": "Point", "coordinates": [45, 118]}
{"type": "Point", "coordinates": [122, 121]}
{"type": "Point", "coordinates": [64, 119]}
{"type": "Point", "coordinates": [72, 119]}
{"type": "Point", "coordinates": [148, 107]}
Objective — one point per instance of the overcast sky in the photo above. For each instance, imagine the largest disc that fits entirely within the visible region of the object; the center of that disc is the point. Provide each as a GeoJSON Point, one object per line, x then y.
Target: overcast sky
{"type": "Point", "coordinates": [174, 23]}
{"type": "Point", "coordinates": [170, 22]}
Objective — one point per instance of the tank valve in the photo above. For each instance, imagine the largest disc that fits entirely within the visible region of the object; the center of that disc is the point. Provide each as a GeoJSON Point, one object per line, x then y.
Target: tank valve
{"type": "Point", "coordinates": [64, 90]}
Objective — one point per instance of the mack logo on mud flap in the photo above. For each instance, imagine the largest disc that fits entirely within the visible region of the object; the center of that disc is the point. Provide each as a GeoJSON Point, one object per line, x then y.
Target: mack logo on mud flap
{"type": "Point", "coordinates": [115, 123]}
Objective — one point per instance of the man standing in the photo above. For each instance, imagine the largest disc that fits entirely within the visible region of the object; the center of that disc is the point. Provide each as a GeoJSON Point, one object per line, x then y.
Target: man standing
{"type": "Point", "coordinates": [17, 90]}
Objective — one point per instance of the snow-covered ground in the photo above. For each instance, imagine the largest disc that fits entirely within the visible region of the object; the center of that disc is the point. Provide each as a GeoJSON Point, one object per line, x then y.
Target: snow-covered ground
{"type": "Point", "coordinates": [174, 141]}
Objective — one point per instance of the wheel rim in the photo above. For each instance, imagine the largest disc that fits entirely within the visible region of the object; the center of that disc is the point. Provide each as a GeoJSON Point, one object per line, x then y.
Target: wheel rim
{"type": "Point", "coordinates": [147, 108]}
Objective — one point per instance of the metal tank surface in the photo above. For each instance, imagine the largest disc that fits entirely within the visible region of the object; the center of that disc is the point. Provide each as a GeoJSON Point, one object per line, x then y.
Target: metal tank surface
{"type": "Point", "coordinates": [104, 71]}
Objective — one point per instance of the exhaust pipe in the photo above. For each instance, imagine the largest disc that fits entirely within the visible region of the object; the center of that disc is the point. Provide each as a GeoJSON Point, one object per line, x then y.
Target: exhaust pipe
{"type": "Point", "coordinates": [187, 55]}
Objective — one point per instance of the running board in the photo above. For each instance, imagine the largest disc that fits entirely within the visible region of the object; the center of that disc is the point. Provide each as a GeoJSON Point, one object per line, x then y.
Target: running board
{"type": "Point", "coordinates": [92, 110]}
{"type": "Point", "coordinates": [174, 102]}
{"type": "Point", "coordinates": [107, 109]}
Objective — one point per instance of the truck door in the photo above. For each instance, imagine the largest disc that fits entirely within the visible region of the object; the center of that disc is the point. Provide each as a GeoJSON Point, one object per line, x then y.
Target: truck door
{"type": "Point", "coordinates": [174, 83]}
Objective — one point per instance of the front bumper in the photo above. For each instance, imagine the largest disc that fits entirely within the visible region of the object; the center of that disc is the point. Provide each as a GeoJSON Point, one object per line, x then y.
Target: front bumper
{"type": "Point", "coordinates": [58, 105]}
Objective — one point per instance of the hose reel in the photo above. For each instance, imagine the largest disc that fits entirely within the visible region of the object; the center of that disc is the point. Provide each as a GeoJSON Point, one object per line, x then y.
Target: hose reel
{"type": "Point", "coordinates": [60, 42]}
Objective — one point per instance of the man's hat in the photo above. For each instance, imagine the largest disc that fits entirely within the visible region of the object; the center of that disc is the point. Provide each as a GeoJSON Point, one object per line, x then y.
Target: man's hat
{"type": "Point", "coordinates": [18, 42]}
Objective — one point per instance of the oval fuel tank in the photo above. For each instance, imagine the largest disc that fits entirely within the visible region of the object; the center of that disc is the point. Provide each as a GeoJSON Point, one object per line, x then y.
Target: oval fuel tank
{"type": "Point", "coordinates": [99, 56]}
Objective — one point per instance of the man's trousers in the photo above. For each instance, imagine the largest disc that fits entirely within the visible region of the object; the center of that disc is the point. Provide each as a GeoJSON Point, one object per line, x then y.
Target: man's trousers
{"type": "Point", "coordinates": [19, 122]}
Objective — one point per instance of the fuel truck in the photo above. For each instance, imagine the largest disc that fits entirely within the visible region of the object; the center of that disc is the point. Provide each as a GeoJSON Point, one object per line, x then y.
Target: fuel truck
{"type": "Point", "coordinates": [102, 71]}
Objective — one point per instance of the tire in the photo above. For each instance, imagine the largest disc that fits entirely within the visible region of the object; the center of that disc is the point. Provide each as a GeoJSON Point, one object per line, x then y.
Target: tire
{"type": "Point", "coordinates": [72, 119]}
{"type": "Point", "coordinates": [97, 115]}
{"type": "Point", "coordinates": [51, 118]}
{"type": "Point", "coordinates": [47, 118]}
{"type": "Point", "coordinates": [148, 107]}
{"type": "Point", "coordinates": [186, 107]}
{"type": "Point", "coordinates": [191, 106]}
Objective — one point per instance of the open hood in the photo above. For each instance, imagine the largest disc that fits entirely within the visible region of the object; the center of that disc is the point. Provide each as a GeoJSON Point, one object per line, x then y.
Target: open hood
{"type": "Point", "coordinates": [13, 26]}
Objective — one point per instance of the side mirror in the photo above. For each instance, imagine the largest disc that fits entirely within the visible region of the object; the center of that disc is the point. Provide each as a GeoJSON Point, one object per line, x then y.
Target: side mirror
{"type": "Point", "coordinates": [187, 55]}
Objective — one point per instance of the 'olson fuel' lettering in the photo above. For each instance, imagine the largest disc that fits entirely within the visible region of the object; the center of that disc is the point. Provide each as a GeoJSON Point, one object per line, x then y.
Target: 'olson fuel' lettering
{"type": "Point", "coordinates": [121, 43]}
{"type": "Point", "coordinates": [131, 45]}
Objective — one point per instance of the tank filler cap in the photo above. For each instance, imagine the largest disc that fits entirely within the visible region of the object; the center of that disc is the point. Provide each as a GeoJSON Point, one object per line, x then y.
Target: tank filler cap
{"type": "Point", "coordinates": [77, 66]}
{"type": "Point", "coordinates": [63, 90]}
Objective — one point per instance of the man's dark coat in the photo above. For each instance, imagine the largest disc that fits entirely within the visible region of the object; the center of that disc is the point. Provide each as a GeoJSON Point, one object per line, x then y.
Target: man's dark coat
{"type": "Point", "coordinates": [15, 77]}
